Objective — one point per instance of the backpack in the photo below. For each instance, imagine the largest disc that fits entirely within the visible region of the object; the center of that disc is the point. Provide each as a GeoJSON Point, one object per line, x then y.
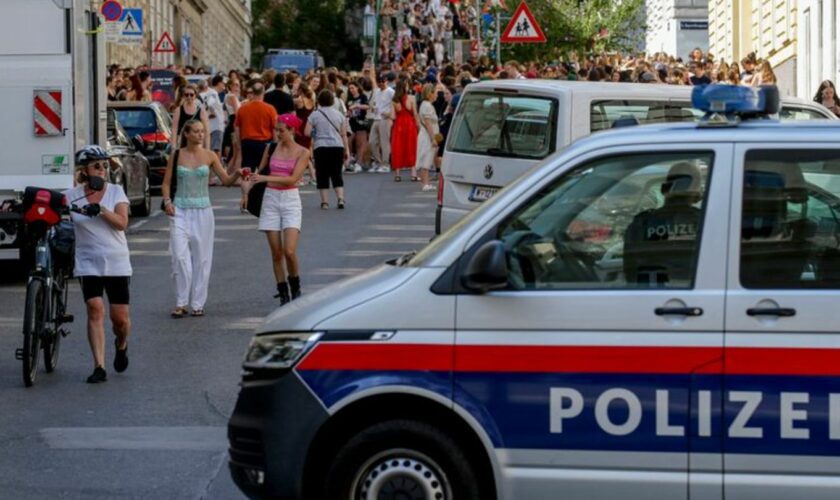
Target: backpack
{"type": "Point", "coordinates": [255, 194]}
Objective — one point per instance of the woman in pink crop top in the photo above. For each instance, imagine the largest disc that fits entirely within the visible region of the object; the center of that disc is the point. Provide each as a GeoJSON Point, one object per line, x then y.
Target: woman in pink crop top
{"type": "Point", "coordinates": [281, 214]}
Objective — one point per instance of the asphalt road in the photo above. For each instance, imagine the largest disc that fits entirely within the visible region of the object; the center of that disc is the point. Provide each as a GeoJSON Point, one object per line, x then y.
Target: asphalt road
{"type": "Point", "coordinates": [158, 430]}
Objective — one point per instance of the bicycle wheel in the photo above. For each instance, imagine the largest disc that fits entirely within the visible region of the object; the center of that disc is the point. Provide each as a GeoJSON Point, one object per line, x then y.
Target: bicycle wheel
{"type": "Point", "coordinates": [33, 324]}
{"type": "Point", "coordinates": [52, 342]}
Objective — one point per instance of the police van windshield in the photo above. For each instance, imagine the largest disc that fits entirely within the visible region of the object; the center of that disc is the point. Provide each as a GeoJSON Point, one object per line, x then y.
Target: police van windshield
{"type": "Point", "coordinates": [512, 126]}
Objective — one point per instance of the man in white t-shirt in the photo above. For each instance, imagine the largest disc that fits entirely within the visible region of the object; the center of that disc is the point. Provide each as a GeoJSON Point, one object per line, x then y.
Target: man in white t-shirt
{"type": "Point", "coordinates": [383, 119]}
{"type": "Point", "coordinates": [215, 111]}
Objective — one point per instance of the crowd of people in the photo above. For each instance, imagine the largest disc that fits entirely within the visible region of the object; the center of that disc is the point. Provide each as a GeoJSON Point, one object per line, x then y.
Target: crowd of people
{"type": "Point", "coordinates": [272, 132]}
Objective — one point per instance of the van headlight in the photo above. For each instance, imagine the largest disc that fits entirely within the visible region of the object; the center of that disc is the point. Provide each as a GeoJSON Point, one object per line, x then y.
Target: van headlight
{"type": "Point", "coordinates": [278, 351]}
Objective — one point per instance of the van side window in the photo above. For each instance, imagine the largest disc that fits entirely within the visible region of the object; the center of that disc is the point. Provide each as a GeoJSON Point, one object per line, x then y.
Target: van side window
{"type": "Point", "coordinates": [504, 125]}
{"type": "Point", "coordinates": [796, 113]}
{"type": "Point", "coordinates": [790, 220]}
{"type": "Point", "coordinates": [631, 221]}
{"type": "Point", "coordinates": [603, 114]}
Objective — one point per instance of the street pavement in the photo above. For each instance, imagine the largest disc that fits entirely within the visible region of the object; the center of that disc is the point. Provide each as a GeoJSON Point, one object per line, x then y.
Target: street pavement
{"type": "Point", "coordinates": [158, 430]}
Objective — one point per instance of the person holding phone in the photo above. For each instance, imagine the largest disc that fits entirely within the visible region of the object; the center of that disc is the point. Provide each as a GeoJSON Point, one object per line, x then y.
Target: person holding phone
{"type": "Point", "coordinates": [102, 261]}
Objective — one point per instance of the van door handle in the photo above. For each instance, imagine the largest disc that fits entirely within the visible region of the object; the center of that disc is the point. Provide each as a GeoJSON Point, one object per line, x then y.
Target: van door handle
{"type": "Point", "coordinates": [678, 311]}
{"type": "Point", "coordinates": [771, 311]}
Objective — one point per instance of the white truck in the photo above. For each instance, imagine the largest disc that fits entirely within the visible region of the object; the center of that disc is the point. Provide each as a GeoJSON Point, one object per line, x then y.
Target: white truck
{"type": "Point", "coordinates": [52, 100]}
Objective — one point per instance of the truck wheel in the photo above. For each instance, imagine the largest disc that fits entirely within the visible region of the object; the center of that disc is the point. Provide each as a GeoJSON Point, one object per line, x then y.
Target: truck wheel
{"type": "Point", "coordinates": [401, 459]}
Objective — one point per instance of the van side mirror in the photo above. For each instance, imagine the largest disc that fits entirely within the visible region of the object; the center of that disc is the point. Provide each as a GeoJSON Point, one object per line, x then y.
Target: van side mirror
{"type": "Point", "coordinates": [487, 268]}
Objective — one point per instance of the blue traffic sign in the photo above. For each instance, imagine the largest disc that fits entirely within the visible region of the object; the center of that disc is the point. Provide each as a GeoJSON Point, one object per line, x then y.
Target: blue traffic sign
{"type": "Point", "coordinates": [132, 22]}
{"type": "Point", "coordinates": [111, 10]}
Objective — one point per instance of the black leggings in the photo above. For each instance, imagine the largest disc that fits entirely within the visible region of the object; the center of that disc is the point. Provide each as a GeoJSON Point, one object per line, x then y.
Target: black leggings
{"type": "Point", "coordinates": [328, 162]}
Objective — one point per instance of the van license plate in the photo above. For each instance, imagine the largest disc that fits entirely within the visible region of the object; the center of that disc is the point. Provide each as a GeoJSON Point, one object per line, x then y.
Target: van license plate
{"type": "Point", "coordinates": [482, 193]}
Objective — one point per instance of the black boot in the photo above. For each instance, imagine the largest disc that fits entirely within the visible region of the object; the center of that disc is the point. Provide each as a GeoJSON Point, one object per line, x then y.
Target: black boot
{"type": "Point", "coordinates": [283, 293]}
{"type": "Point", "coordinates": [294, 286]}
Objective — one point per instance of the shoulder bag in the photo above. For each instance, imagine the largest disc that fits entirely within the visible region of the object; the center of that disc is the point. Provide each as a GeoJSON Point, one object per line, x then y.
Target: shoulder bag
{"type": "Point", "coordinates": [255, 194]}
{"type": "Point", "coordinates": [173, 181]}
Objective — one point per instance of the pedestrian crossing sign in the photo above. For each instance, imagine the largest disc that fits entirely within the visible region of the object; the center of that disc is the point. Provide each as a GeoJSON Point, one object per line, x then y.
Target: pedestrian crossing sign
{"type": "Point", "coordinates": [131, 22]}
{"type": "Point", "coordinates": [523, 28]}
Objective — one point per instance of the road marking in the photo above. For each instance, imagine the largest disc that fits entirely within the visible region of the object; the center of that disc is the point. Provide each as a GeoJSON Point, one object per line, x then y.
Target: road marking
{"type": "Point", "coordinates": [376, 240]}
{"type": "Point", "coordinates": [136, 438]}
{"type": "Point", "coordinates": [407, 215]}
{"type": "Point", "coordinates": [337, 271]}
{"type": "Point", "coordinates": [145, 221]}
{"type": "Point", "coordinates": [420, 228]}
{"type": "Point", "coordinates": [375, 253]}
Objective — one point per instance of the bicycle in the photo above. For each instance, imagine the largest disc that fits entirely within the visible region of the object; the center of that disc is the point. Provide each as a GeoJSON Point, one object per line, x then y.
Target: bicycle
{"type": "Point", "coordinates": [45, 214]}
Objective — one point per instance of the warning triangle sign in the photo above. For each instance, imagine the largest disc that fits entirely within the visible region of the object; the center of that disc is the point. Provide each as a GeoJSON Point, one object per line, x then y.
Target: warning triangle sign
{"type": "Point", "coordinates": [165, 44]}
{"type": "Point", "coordinates": [523, 28]}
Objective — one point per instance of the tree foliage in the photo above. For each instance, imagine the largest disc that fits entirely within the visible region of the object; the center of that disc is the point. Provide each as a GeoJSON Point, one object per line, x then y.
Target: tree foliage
{"type": "Point", "coordinates": [302, 24]}
{"type": "Point", "coordinates": [582, 27]}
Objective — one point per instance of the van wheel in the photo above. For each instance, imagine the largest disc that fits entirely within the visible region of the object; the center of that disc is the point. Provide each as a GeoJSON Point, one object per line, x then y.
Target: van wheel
{"type": "Point", "coordinates": [401, 459]}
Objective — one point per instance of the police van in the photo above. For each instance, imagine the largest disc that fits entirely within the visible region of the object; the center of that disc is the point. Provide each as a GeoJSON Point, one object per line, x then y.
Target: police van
{"type": "Point", "coordinates": [652, 313]}
{"type": "Point", "coordinates": [503, 128]}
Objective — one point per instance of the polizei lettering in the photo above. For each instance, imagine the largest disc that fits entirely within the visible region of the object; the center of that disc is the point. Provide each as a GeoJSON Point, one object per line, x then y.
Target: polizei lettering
{"type": "Point", "coordinates": [619, 412]}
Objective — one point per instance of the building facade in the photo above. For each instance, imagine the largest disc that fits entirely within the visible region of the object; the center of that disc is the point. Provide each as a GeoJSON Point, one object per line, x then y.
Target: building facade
{"type": "Point", "coordinates": [211, 33]}
{"type": "Point", "coordinates": [766, 27]}
{"type": "Point", "coordinates": [817, 44]}
{"type": "Point", "coordinates": [676, 27]}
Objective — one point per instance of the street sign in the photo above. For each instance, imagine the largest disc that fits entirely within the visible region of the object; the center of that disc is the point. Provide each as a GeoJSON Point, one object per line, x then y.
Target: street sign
{"type": "Point", "coordinates": [165, 45]}
{"type": "Point", "coordinates": [132, 22]}
{"type": "Point", "coordinates": [523, 28]}
{"type": "Point", "coordinates": [111, 10]}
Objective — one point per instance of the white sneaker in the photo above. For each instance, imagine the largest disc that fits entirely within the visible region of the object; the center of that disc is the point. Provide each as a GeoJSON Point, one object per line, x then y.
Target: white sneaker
{"type": "Point", "coordinates": [428, 187]}
{"type": "Point", "coordinates": [383, 169]}
{"type": "Point", "coordinates": [351, 167]}
{"type": "Point", "coordinates": [356, 168]}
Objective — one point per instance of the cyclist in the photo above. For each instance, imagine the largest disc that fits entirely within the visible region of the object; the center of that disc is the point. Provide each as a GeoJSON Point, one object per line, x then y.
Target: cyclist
{"type": "Point", "coordinates": [102, 259]}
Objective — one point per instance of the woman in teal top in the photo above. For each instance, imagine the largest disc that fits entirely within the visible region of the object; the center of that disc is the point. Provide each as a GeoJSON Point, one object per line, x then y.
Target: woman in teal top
{"type": "Point", "coordinates": [191, 222]}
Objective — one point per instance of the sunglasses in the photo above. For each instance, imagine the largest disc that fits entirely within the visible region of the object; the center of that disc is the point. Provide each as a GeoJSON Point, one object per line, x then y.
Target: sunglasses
{"type": "Point", "coordinates": [98, 166]}
{"type": "Point", "coordinates": [189, 95]}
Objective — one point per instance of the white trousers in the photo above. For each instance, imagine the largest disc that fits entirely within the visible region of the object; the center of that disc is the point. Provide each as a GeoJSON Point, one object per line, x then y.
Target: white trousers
{"type": "Point", "coordinates": [191, 236]}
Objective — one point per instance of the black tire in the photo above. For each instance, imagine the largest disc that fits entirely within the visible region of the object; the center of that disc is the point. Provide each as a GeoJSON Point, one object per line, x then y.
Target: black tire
{"type": "Point", "coordinates": [144, 208]}
{"type": "Point", "coordinates": [401, 459]}
{"type": "Point", "coordinates": [34, 317]}
{"type": "Point", "coordinates": [52, 342]}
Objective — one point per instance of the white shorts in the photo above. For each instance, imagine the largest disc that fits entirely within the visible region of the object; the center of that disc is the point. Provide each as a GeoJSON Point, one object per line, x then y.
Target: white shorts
{"type": "Point", "coordinates": [280, 210]}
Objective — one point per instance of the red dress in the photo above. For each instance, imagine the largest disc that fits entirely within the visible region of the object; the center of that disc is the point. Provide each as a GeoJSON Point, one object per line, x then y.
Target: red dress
{"type": "Point", "coordinates": [404, 138]}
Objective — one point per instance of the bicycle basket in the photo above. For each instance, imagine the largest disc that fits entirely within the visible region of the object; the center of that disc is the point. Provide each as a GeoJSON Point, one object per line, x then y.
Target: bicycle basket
{"type": "Point", "coordinates": [63, 244]}
{"type": "Point", "coordinates": [42, 206]}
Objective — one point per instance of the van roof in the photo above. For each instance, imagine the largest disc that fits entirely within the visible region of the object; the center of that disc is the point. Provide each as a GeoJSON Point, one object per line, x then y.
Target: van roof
{"type": "Point", "coordinates": [767, 132]}
{"type": "Point", "coordinates": [604, 89]}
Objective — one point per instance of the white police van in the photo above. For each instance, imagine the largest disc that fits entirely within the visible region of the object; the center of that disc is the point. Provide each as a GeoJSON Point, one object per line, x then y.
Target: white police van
{"type": "Point", "coordinates": [652, 313]}
{"type": "Point", "coordinates": [503, 128]}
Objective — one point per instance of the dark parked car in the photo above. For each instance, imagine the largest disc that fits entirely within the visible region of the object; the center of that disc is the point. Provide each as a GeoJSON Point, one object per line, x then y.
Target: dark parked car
{"type": "Point", "coordinates": [152, 123]}
{"type": "Point", "coordinates": [130, 168]}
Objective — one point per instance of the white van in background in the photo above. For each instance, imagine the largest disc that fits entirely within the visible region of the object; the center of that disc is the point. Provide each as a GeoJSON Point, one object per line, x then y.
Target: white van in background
{"type": "Point", "coordinates": [52, 93]}
{"type": "Point", "coordinates": [502, 128]}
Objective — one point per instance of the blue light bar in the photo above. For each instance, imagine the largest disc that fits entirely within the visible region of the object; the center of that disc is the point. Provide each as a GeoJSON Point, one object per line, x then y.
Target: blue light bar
{"type": "Point", "coordinates": [735, 99]}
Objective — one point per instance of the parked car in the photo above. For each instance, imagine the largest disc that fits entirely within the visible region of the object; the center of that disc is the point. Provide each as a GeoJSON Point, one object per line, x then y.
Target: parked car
{"type": "Point", "coordinates": [152, 123]}
{"type": "Point", "coordinates": [129, 168]}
